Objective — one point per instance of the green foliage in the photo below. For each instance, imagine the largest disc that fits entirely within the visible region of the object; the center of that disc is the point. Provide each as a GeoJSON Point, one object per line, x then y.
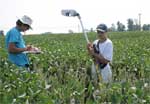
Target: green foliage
{"type": "Point", "coordinates": [61, 75]}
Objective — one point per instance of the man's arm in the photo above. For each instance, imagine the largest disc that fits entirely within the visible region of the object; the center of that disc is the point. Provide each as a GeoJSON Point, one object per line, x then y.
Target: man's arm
{"type": "Point", "coordinates": [13, 49]}
{"type": "Point", "coordinates": [100, 58]}
{"type": "Point", "coordinates": [96, 56]}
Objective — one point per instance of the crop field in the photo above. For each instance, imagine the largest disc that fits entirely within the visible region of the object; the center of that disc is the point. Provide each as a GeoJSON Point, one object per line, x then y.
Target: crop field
{"type": "Point", "coordinates": [61, 73]}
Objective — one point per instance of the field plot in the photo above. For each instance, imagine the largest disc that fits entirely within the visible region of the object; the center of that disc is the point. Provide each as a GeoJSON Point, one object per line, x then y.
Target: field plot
{"type": "Point", "coordinates": [61, 72]}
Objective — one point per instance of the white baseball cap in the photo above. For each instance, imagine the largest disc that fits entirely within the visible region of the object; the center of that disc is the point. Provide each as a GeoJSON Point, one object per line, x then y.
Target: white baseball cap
{"type": "Point", "coordinates": [26, 20]}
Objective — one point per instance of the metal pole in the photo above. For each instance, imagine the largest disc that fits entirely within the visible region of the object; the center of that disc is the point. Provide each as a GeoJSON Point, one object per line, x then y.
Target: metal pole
{"type": "Point", "coordinates": [85, 35]}
{"type": "Point", "coordinates": [139, 21]}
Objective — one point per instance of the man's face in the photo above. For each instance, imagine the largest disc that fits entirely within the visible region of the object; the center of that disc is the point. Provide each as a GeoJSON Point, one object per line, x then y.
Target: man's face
{"type": "Point", "coordinates": [24, 27]}
{"type": "Point", "coordinates": [100, 34]}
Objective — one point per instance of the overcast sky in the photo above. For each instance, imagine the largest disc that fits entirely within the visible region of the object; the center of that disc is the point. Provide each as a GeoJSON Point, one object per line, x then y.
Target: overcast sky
{"type": "Point", "coordinates": [46, 14]}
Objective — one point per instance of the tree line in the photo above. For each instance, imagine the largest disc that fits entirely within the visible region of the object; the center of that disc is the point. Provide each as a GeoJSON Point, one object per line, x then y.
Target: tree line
{"type": "Point", "coordinates": [132, 25]}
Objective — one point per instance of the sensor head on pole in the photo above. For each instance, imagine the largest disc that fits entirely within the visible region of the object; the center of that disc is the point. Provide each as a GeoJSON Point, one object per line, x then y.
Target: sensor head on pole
{"type": "Point", "coordinates": [69, 13]}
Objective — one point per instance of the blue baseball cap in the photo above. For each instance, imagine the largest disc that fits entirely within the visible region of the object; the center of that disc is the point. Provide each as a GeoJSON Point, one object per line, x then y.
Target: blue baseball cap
{"type": "Point", "coordinates": [101, 28]}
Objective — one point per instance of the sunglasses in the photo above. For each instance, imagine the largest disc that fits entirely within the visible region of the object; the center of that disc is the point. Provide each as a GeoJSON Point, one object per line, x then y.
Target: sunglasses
{"type": "Point", "coordinates": [99, 32]}
{"type": "Point", "coordinates": [27, 26]}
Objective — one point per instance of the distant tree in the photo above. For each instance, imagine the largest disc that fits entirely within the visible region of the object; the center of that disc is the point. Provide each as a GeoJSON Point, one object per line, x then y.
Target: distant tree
{"type": "Point", "coordinates": [130, 24]}
{"type": "Point", "coordinates": [86, 30]}
{"type": "Point", "coordinates": [133, 25]}
{"type": "Point", "coordinates": [136, 27]}
{"type": "Point", "coordinates": [91, 30]}
{"type": "Point", "coordinates": [146, 27]}
{"type": "Point", "coordinates": [120, 26]}
{"type": "Point", "coordinates": [113, 27]}
{"type": "Point", "coordinates": [2, 32]}
{"type": "Point", "coordinates": [70, 31]}
{"type": "Point", "coordinates": [46, 33]}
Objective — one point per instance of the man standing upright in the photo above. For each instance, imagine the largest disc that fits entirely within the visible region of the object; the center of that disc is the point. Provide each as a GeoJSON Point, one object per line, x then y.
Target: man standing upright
{"type": "Point", "coordinates": [101, 50]}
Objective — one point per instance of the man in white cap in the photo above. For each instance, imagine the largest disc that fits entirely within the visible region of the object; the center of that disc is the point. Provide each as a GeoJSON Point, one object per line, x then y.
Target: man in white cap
{"type": "Point", "coordinates": [15, 43]}
{"type": "Point", "coordinates": [101, 50]}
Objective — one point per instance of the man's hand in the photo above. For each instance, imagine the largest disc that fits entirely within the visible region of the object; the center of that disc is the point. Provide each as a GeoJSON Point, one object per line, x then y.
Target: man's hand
{"type": "Point", "coordinates": [90, 48]}
{"type": "Point", "coordinates": [29, 47]}
{"type": "Point", "coordinates": [32, 48]}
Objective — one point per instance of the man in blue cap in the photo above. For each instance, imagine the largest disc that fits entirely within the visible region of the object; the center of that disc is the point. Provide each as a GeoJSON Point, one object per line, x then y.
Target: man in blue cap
{"type": "Point", "coordinates": [101, 50]}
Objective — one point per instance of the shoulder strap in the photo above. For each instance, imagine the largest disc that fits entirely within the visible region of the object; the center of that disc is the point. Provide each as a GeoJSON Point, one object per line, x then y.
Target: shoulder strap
{"type": "Point", "coordinates": [101, 65]}
{"type": "Point", "coordinates": [98, 44]}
